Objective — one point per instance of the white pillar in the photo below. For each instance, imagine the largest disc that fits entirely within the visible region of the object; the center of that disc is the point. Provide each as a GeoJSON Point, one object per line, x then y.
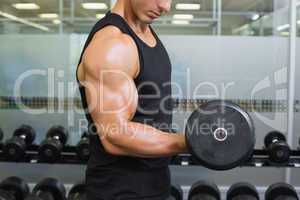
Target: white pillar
{"type": "Point", "coordinates": [291, 78]}
{"type": "Point", "coordinates": [219, 30]}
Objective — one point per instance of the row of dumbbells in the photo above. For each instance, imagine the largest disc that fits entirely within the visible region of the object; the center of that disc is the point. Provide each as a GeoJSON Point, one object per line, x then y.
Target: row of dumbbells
{"type": "Point", "coordinates": [203, 190]}
{"type": "Point", "coordinates": [275, 144]}
{"type": "Point", "coordinates": [14, 148]}
{"type": "Point", "coordinates": [15, 188]}
{"type": "Point", "coordinates": [50, 149]}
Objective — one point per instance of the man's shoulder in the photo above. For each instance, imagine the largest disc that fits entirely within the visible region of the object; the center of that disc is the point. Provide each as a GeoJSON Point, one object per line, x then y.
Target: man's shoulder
{"type": "Point", "coordinates": [112, 34]}
{"type": "Point", "coordinates": [112, 49]}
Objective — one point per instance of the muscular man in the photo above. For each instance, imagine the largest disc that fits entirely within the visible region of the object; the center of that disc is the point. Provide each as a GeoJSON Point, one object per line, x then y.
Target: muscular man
{"type": "Point", "coordinates": [124, 77]}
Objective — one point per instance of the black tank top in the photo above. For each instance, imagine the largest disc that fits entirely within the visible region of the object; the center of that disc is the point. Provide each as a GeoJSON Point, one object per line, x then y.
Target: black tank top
{"type": "Point", "coordinates": [132, 176]}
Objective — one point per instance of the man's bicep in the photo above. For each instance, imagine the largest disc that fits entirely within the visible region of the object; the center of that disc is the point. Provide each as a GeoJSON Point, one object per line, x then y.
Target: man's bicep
{"type": "Point", "coordinates": [110, 66]}
{"type": "Point", "coordinates": [112, 96]}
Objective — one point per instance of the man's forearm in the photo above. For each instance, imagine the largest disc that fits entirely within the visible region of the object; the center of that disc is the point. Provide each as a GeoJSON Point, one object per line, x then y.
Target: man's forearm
{"type": "Point", "coordinates": [141, 140]}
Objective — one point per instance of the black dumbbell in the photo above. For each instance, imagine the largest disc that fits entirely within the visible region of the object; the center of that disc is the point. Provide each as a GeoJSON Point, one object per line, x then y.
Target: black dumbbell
{"type": "Point", "coordinates": [48, 189]}
{"type": "Point", "coordinates": [78, 192]}
{"type": "Point", "coordinates": [204, 190]}
{"type": "Point", "coordinates": [82, 148]}
{"type": "Point", "coordinates": [1, 134]}
{"type": "Point", "coordinates": [13, 188]}
{"type": "Point", "coordinates": [277, 147]}
{"type": "Point", "coordinates": [242, 191]}
{"type": "Point", "coordinates": [15, 148]}
{"type": "Point", "coordinates": [176, 192]}
{"type": "Point", "coordinates": [50, 149]}
{"type": "Point", "coordinates": [281, 191]}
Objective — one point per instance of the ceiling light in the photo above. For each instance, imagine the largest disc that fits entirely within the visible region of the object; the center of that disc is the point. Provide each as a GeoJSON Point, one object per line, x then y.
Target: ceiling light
{"type": "Point", "coordinates": [56, 21]}
{"type": "Point", "coordinates": [26, 6]}
{"type": "Point", "coordinates": [255, 17]}
{"type": "Point", "coordinates": [180, 22]}
{"type": "Point", "coordinates": [183, 16]}
{"type": "Point", "coordinates": [48, 15]}
{"type": "Point", "coordinates": [187, 6]}
{"type": "Point", "coordinates": [23, 21]}
{"type": "Point", "coordinates": [100, 16]}
{"type": "Point", "coordinates": [94, 6]}
{"type": "Point", "coordinates": [282, 27]}
{"type": "Point", "coordinates": [298, 22]}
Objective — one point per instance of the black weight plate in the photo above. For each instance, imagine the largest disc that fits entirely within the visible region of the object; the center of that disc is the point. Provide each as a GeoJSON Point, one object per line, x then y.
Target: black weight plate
{"type": "Point", "coordinates": [204, 188]}
{"type": "Point", "coordinates": [59, 131]}
{"type": "Point", "coordinates": [279, 152]}
{"type": "Point", "coordinates": [14, 149]}
{"type": "Point", "coordinates": [26, 130]}
{"type": "Point", "coordinates": [220, 151]}
{"type": "Point", "coordinates": [19, 187]}
{"type": "Point", "coordinates": [272, 135]}
{"type": "Point", "coordinates": [176, 192]}
{"type": "Point", "coordinates": [281, 190]}
{"type": "Point", "coordinates": [50, 150]}
{"type": "Point", "coordinates": [1, 134]}
{"type": "Point", "coordinates": [53, 186]}
{"type": "Point", "coordinates": [240, 189]}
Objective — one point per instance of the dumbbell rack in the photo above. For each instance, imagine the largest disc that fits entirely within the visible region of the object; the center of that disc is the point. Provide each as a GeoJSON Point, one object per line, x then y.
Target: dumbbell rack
{"type": "Point", "coordinates": [260, 158]}
{"type": "Point", "coordinates": [68, 156]}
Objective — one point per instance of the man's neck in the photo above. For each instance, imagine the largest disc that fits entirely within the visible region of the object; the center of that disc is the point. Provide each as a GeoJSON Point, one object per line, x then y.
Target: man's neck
{"type": "Point", "coordinates": [124, 9]}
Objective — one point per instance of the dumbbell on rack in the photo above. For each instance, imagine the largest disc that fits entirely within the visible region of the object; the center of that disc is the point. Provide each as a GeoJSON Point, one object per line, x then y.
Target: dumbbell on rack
{"type": "Point", "coordinates": [14, 148]}
{"type": "Point", "coordinates": [277, 147]}
{"type": "Point", "coordinates": [78, 192]}
{"type": "Point", "coordinates": [48, 189]}
{"type": "Point", "coordinates": [281, 191]}
{"type": "Point", "coordinates": [204, 190]}
{"type": "Point", "coordinates": [50, 149]}
{"type": "Point", "coordinates": [13, 188]}
{"type": "Point", "coordinates": [242, 191]}
{"type": "Point", "coordinates": [82, 148]}
{"type": "Point", "coordinates": [1, 135]}
{"type": "Point", "coordinates": [176, 192]}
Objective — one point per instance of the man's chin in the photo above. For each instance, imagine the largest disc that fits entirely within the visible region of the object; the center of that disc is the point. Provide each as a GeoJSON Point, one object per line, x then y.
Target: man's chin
{"type": "Point", "coordinates": [148, 21]}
